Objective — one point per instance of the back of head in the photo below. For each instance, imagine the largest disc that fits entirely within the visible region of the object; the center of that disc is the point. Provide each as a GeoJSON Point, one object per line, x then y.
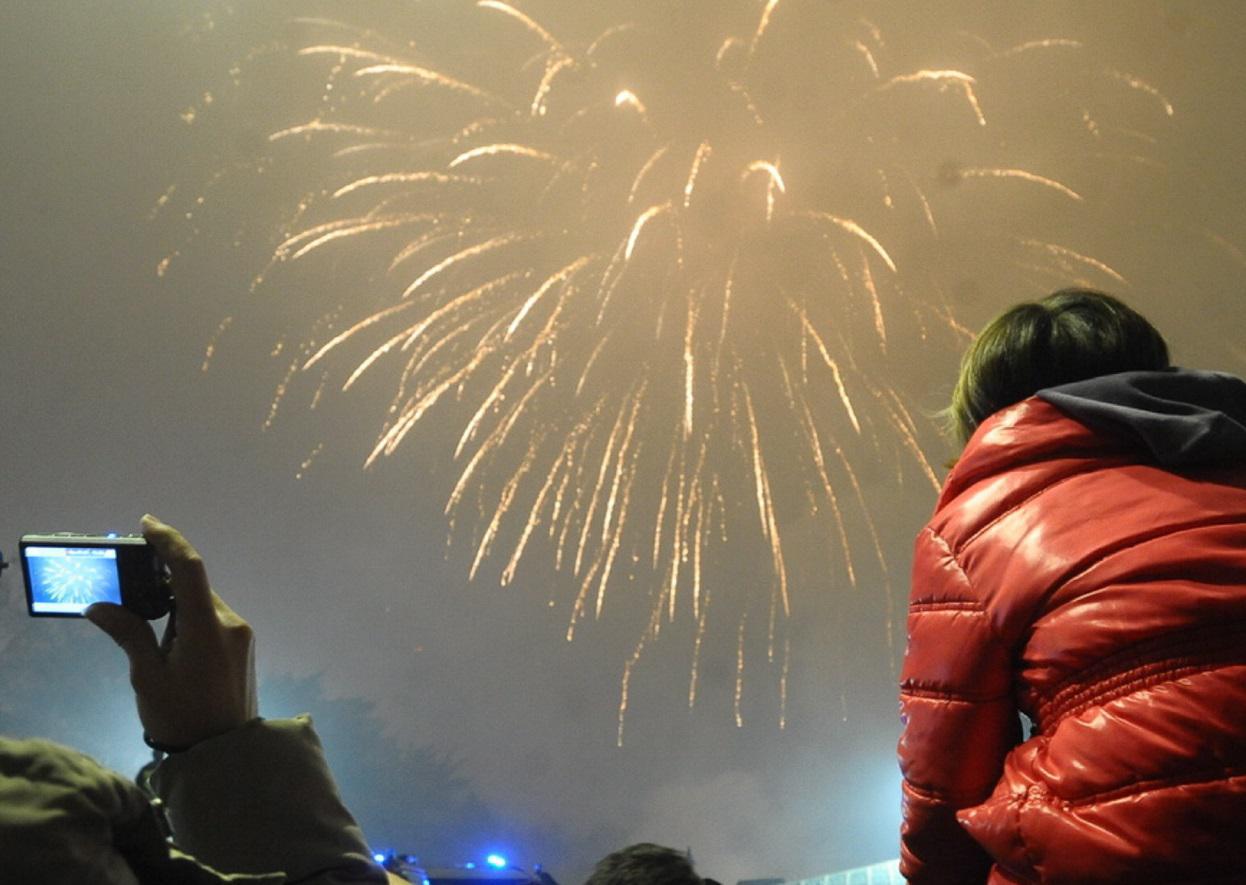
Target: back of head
{"type": "Point", "coordinates": [1070, 335]}
{"type": "Point", "coordinates": [644, 864]}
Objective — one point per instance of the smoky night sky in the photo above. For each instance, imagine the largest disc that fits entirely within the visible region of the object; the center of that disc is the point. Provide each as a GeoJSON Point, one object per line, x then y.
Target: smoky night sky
{"type": "Point", "coordinates": [863, 217]}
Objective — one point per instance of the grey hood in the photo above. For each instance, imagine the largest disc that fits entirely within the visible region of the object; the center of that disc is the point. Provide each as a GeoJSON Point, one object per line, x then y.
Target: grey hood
{"type": "Point", "coordinates": [1183, 416]}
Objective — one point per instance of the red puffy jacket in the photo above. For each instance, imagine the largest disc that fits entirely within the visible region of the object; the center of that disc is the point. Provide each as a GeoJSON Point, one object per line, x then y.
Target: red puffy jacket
{"type": "Point", "coordinates": [1068, 576]}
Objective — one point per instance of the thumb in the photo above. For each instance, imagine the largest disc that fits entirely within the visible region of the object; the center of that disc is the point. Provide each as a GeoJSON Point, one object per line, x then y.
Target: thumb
{"type": "Point", "coordinates": [133, 634]}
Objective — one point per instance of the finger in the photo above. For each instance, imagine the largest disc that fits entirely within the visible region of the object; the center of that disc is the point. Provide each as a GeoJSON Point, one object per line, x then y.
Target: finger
{"type": "Point", "coordinates": [132, 634]}
{"type": "Point", "coordinates": [226, 615]}
{"type": "Point", "coordinates": [187, 575]}
{"type": "Point", "coordinates": [240, 640]}
{"type": "Point", "coordinates": [170, 632]}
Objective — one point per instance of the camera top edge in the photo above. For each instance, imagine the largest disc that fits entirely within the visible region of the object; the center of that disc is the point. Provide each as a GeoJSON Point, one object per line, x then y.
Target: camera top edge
{"type": "Point", "coordinates": [82, 538]}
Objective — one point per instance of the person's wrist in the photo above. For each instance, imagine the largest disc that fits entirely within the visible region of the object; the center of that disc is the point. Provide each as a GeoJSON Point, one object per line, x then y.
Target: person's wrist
{"type": "Point", "coordinates": [179, 739]}
{"type": "Point", "coordinates": [162, 747]}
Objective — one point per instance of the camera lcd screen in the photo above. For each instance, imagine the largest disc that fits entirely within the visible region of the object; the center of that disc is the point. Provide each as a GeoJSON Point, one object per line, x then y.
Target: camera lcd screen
{"type": "Point", "coordinates": [65, 580]}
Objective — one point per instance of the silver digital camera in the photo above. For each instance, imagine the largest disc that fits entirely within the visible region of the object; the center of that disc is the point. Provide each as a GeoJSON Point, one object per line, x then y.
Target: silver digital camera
{"type": "Point", "coordinates": [66, 572]}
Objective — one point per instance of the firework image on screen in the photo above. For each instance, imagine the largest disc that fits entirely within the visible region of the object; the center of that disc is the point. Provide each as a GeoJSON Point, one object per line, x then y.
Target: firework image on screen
{"type": "Point", "coordinates": [65, 580]}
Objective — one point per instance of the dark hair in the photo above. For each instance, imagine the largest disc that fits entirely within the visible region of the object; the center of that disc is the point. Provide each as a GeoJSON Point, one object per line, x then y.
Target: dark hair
{"type": "Point", "coordinates": [644, 864]}
{"type": "Point", "coordinates": [1070, 335]}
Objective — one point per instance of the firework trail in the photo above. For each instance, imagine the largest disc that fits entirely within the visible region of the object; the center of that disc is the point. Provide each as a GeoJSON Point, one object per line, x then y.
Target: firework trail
{"type": "Point", "coordinates": [661, 274]}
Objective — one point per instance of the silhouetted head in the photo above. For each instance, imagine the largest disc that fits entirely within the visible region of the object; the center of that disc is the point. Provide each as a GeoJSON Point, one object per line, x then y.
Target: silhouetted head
{"type": "Point", "coordinates": [1070, 335]}
{"type": "Point", "coordinates": [644, 864]}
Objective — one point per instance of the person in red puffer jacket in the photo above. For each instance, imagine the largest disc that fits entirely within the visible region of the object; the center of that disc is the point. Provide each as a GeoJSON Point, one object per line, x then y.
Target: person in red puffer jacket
{"type": "Point", "coordinates": [1085, 568]}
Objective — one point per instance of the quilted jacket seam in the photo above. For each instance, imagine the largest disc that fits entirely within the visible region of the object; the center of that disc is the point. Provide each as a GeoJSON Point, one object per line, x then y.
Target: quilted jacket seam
{"type": "Point", "coordinates": [1157, 533]}
{"type": "Point", "coordinates": [954, 801]}
{"type": "Point", "coordinates": [1017, 506]}
{"type": "Point", "coordinates": [951, 605]}
{"type": "Point", "coordinates": [976, 603]}
{"type": "Point", "coordinates": [955, 697]}
{"type": "Point", "coordinates": [1193, 777]}
{"type": "Point", "coordinates": [1112, 685]}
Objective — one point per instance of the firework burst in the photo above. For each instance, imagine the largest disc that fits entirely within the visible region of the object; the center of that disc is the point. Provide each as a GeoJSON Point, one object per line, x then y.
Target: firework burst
{"type": "Point", "coordinates": [665, 277]}
{"type": "Point", "coordinates": [75, 580]}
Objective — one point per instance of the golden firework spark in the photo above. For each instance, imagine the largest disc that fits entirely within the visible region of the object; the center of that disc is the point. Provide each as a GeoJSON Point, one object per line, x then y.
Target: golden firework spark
{"type": "Point", "coordinates": [661, 284]}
